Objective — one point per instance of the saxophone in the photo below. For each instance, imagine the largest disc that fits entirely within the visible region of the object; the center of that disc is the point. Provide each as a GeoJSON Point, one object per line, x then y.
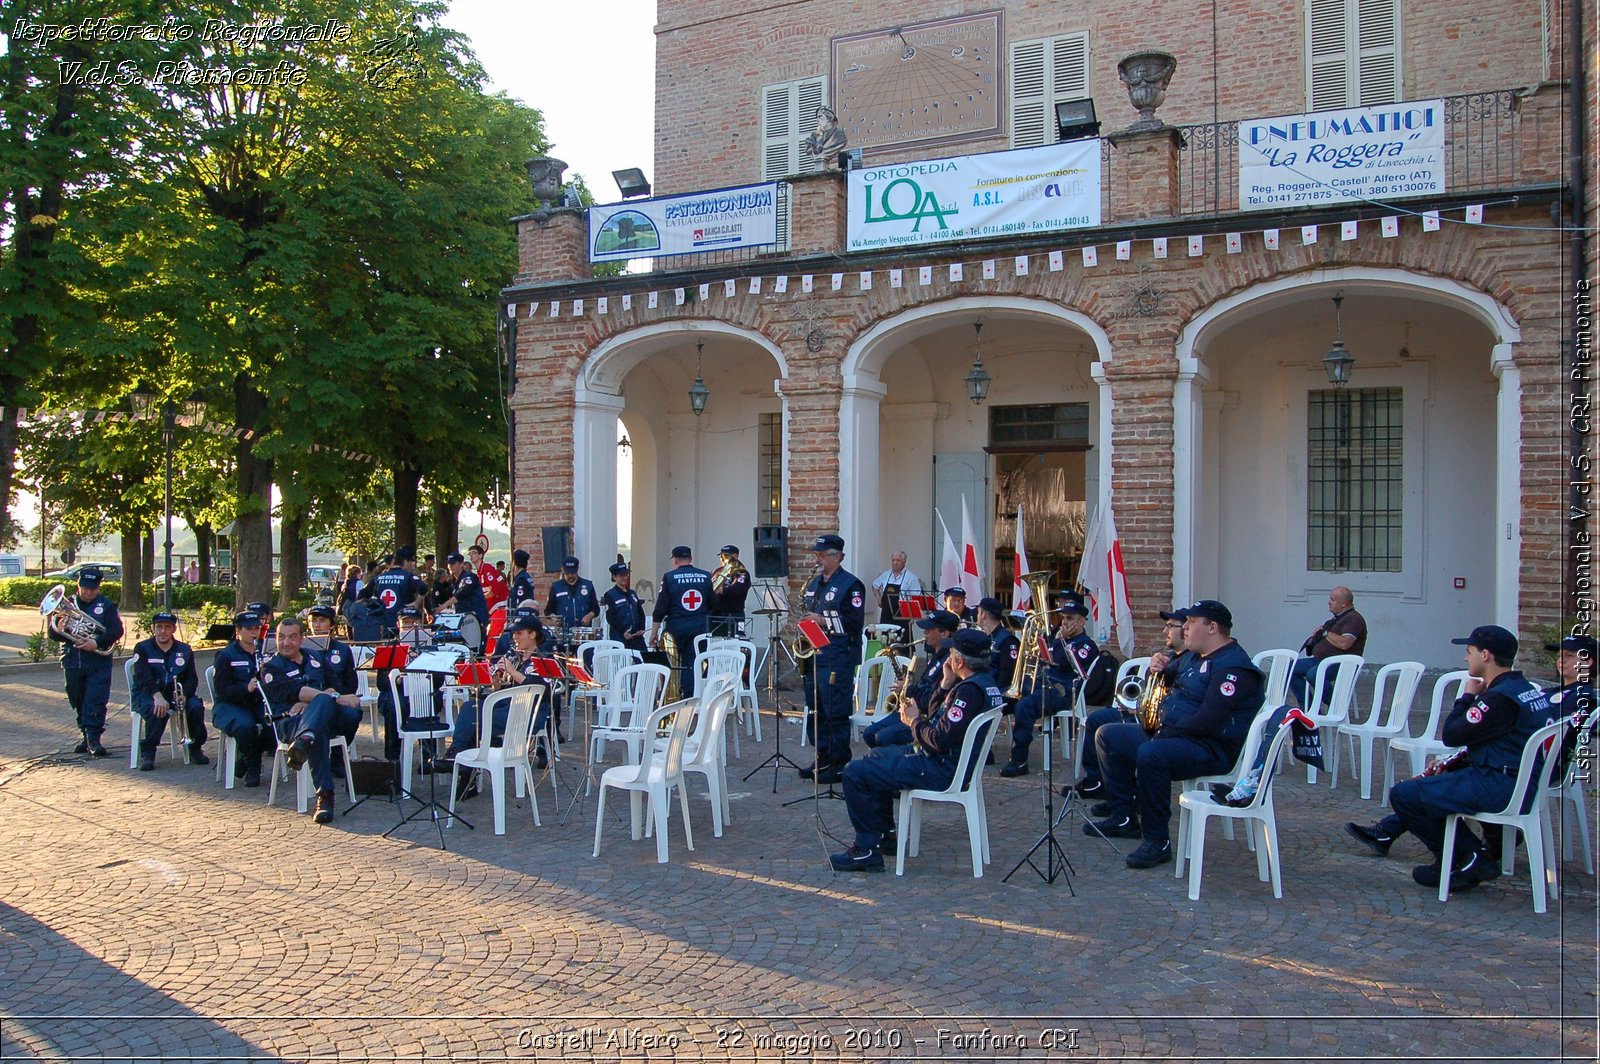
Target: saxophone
{"type": "Point", "coordinates": [902, 679]}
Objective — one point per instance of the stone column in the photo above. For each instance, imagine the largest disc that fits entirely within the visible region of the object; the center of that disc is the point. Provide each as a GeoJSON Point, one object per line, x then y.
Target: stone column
{"type": "Point", "coordinates": [858, 466]}
{"type": "Point", "coordinates": [1188, 435]}
{"type": "Point", "coordinates": [1507, 487]}
{"type": "Point", "coordinates": [594, 479]}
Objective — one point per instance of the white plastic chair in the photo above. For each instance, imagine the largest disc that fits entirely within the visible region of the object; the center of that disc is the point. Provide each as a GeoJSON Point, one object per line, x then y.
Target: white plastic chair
{"type": "Point", "coordinates": [512, 754]}
{"type": "Point", "coordinates": [1570, 790]}
{"type": "Point", "coordinates": [967, 793]}
{"type": "Point", "coordinates": [720, 658]}
{"type": "Point", "coordinates": [302, 779]}
{"type": "Point", "coordinates": [701, 750]}
{"type": "Point", "coordinates": [655, 777]}
{"type": "Point", "coordinates": [1276, 666]}
{"type": "Point", "coordinates": [634, 693]}
{"type": "Point", "coordinates": [415, 689]}
{"type": "Point", "coordinates": [1391, 711]}
{"type": "Point", "coordinates": [746, 699]}
{"type": "Point", "coordinates": [138, 721]}
{"type": "Point", "coordinates": [1337, 675]}
{"type": "Point", "coordinates": [874, 680]}
{"type": "Point", "coordinates": [369, 697]}
{"type": "Point", "coordinates": [1195, 808]}
{"type": "Point", "coordinates": [227, 746]}
{"type": "Point", "coordinates": [1421, 747]}
{"type": "Point", "coordinates": [1534, 824]}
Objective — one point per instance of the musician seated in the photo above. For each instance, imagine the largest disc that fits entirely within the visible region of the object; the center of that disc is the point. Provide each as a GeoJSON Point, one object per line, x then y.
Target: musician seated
{"type": "Point", "coordinates": [238, 711]}
{"type": "Point", "coordinates": [339, 661]}
{"type": "Point", "coordinates": [162, 665]}
{"type": "Point", "coordinates": [1168, 666]}
{"type": "Point", "coordinates": [306, 708]}
{"type": "Point", "coordinates": [1072, 652]}
{"type": "Point", "coordinates": [939, 628]}
{"type": "Point", "coordinates": [1204, 723]}
{"type": "Point", "coordinates": [1497, 711]}
{"type": "Point", "coordinates": [543, 645]}
{"type": "Point", "coordinates": [413, 633]}
{"type": "Point", "coordinates": [510, 670]}
{"type": "Point", "coordinates": [871, 783]}
{"type": "Point", "coordinates": [1003, 642]}
{"type": "Point", "coordinates": [955, 600]}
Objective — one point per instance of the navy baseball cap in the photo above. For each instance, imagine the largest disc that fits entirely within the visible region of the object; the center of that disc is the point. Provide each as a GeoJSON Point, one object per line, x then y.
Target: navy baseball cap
{"type": "Point", "coordinates": [620, 568]}
{"type": "Point", "coordinates": [571, 564]}
{"type": "Point", "coordinates": [828, 542]}
{"type": "Point", "coordinates": [454, 557]}
{"type": "Point", "coordinates": [164, 617]}
{"type": "Point", "coordinates": [520, 556]}
{"type": "Point", "coordinates": [681, 551]}
{"type": "Point", "coordinates": [1209, 610]}
{"type": "Point", "coordinates": [406, 554]}
{"type": "Point", "coordinates": [263, 608]}
{"type": "Point", "coordinates": [1075, 605]}
{"type": "Point", "coordinates": [1578, 644]}
{"type": "Point", "coordinates": [1493, 638]}
{"type": "Point", "coordinates": [940, 619]}
{"type": "Point", "coordinates": [1178, 614]}
{"type": "Point", "coordinates": [247, 619]}
{"type": "Point", "coordinates": [972, 642]}
{"type": "Point", "coordinates": [991, 604]}
{"type": "Point", "coordinates": [88, 577]}
{"type": "Point", "coordinates": [956, 590]}
{"type": "Point", "coordinates": [524, 624]}
{"type": "Point", "coordinates": [321, 611]}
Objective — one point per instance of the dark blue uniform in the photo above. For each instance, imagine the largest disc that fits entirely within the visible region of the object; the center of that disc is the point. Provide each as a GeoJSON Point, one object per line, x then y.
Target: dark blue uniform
{"type": "Point", "coordinates": [522, 591]}
{"type": "Point", "coordinates": [155, 671]}
{"type": "Point", "coordinates": [923, 688]}
{"type": "Point", "coordinates": [683, 608]}
{"type": "Point", "coordinates": [87, 674]}
{"type": "Point", "coordinates": [727, 603]}
{"type": "Point", "coordinates": [238, 712]}
{"type": "Point", "coordinates": [1205, 720]}
{"type": "Point", "coordinates": [393, 588]}
{"type": "Point", "coordinates": [571, 603]}
{"type": "Point", "coordinates": [1069, 661]}
{"type": "Point", "coordinates": [624, 613]}
{"type": "Point", "coordinates": [282, 679]}
{"type": "Point", "coordinates": [465, 733]}
{"type": "Point", "coordinates": [840, 601]}
{"type": "Point", "coordinates": [872, 782]}
{"type": "Point", "coordinates": [1494, 726]}
{"type": "Point", "coordinates": [1113, 715]}
{"type": "Point", "coordinates": [467, 590]}
{"type": "Point", "coordinates": [339, 667]}
{"type": "Point", "coordinates": [1003, 649]}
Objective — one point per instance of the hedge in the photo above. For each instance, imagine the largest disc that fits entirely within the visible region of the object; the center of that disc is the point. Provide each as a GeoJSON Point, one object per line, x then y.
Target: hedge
{"type": "Point", "coordinates": [31, 590]}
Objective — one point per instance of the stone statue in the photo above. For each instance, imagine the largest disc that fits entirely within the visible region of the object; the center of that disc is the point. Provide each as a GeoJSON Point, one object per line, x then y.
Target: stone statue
{"type": "Point", "coordinates": [829, 139]}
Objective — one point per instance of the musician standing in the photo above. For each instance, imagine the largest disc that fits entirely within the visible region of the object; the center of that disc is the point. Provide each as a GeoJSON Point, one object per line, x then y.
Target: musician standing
{"type": "Point", "coordinates": [491, 579]}
{"type": "Point", "coordinates": [1072, 652]}
{"type": "Point", "coordinates": [624, 610]}
{"type": "Point", "coordinates": [1003, 642]}
{"type": "Point", "coordinates": [922, 683]}
{"type": "Point", "coordinates": [523, 592]}
{"type": "Point", "coordinates": [730, 586]}
{"type": "Point", "coordinates": [955, 600]}
{"type": "Point", "coordinates": [836, 599]}
{"type": "Point", "coordinates": [298, 691]}
{"type": "Point", "coordinates": [1204, 724]}
{"type": "Point", "coordinates": [891, 584]}
{"type": "Point", "coordinates": [871, 783]}
{"type": "Point", "coordinates": [161, 665]}
{"type": "Point", "coordinates": [466, 593]}
{"type": "Point", "coordinates": [1343, 633]}
{"type": "Point", "coordinates": [86, 662]}
{"type": "Point", "coordinates": [396, 587]}
{"type": "Point", "coordinates": [238, 711]}
{"type": "Point", "coordinates": [683, 611]}
{"type": "Point", "coordinates": [573, 601]}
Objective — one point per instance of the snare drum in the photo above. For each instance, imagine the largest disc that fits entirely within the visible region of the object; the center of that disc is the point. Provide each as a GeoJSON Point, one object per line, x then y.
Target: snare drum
{"type": "Point", "coordinates": [585, 634]}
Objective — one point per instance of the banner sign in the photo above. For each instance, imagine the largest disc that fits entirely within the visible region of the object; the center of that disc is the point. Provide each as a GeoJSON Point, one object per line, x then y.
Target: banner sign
{"type": "Point", "coordinates": [1373, 153]}
{"type": "Point", "coordinates": [969, 197]}
{"type": "Point", "coordinates": [745, 217]}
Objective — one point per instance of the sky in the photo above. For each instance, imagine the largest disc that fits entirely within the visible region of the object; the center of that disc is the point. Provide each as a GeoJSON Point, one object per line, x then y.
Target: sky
{"type": "Point", "coordinates": [588, 67]}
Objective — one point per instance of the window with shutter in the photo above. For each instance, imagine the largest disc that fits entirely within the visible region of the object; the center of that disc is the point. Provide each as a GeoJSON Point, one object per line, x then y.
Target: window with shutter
{"type": "Point", "coordinates": [1045, 72]}
{"type": "Point", "coordinates": [1352, 53]}
{"type": "Point", "coordinates": [788, 116]}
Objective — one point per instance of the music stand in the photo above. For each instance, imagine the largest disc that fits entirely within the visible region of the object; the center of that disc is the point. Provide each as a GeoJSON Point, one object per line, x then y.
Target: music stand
{"type": "Point", "coordinates": [777, 760]}
{"type": "Point", "coordinates": [431, 806]}
{"type": "Point", "coordinates": [818, 638]}
{"type": "Point", "coordinates": [1057, 866]}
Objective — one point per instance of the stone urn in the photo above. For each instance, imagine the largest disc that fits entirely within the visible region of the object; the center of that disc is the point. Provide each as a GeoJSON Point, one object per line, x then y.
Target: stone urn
{"type": "Point", "coordinates": [544, 174]}
{"type": "Point", "coordinates": [1146, 76]}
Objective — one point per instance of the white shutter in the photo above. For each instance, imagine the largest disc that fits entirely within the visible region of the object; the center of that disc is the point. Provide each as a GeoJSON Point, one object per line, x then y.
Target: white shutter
{"type": "Point", "coordinates": [1328, 63]}
{"type": "Point", "coordinates": [788, 116]}
{"type": "Point", "coordinates": [1044, 73]}
{"type": "Point", "coordinates": [1352, 53]}
{"type": "Point", "coordinates": [809, 96]}
{"type": "Point", "coordinates": [1378, 51]}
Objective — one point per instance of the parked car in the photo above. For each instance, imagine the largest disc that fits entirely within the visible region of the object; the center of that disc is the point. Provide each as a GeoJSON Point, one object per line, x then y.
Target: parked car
{"type": "Point", "coordinates": [108, 571]}
{"type": "Point", "coordinates": [323, 575]}
{"type": "Point", "coordinates": [12, 565]}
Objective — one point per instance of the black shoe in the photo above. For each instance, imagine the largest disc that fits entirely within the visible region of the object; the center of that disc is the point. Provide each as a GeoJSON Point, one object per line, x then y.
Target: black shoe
{"type": "Point", "coordinates": [468, 787]}
{"type": "Point", "coordinates": [1426, 875]}
{"type": "Point", "coordinates": [1373, 839]}
{"type": "Point", "coordinates": [889, 843]}
{"type": "Point", "coordinates": [1149, 854]}
{"type": "Point", "coordinates": [147, 760]}
{"type": "Point", "coordinates": [82, 747]}
{"type": "Point", "coordinates": [252, 776]}
{"type": "Point", "coordinates": [857, 860]}
{"type": "Point", "coordinates": [830, 774]}
{"type": "Point", "coordinates": [808, 772]}
{"type": "Point", "coordinates": [324, 813]}
{"type": "Point", "coordinates": [198, 756]}
{"type": "Point", "coordinates": [1115, 827]}
{"type": "Point", "coordinates": [988, 759]}
{"type": "Point", "coordinates": [1102, 809]}
{"type": "Point", "coordinates": [1091, 787]}
{"type": "Point", "coordinates": [299, 751]}
{"type": "Point", "coordinates": [541, 760]}
{"type": "Point", "coordinates": [96, 750]}
{"type": "Point", "coordinates": [1011, 769]}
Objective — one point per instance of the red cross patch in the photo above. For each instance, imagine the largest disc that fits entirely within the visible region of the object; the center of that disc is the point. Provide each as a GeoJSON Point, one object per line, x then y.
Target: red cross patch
{"type": "Point", "coordinates": [692, 600]}
{"type": "Point", "coordinates": [954, 714]}
{"type": "Point", "coordinates": [388, 597]}
{"type": "Point", "coordinates": [1228, 689]}
{"type": "Point", "coordinates": [1475, 715]}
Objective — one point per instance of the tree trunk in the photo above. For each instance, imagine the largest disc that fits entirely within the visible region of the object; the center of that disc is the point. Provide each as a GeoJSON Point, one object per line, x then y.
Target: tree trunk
{"type": "Point", "coordinates": [291, 556]}
{"type": "Point", "coordinates": [203, 536]}
{"type": "Point", "coordinates": [406, 481]}
{"type": "Point", "coordinates": [131, 600]}
{"type": "Point", "coordinates": [446, 528]}
{"type": "Point", "coordinates": [147, 566]}
{"type": "Point", "coordinates": [252, 528]}
{"type": "Point", "coordinates": [9, 386]}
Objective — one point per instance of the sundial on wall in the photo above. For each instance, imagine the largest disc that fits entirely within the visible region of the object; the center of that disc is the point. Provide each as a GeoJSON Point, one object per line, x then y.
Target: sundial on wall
{"type": "Point", "coordinates": [923, 81]}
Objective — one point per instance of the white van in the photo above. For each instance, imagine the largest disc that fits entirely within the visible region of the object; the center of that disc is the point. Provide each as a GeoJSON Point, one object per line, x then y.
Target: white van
{"type": "Point", "coordinates": [12, 565]}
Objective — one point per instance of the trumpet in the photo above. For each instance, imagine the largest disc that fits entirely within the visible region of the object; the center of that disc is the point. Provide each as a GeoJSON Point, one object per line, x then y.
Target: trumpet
{"type": "Point", "coordinates": [512, 661]}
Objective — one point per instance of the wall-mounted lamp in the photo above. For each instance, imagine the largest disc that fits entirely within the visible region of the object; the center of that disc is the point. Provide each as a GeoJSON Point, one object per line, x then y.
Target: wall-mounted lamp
{"type": "Point", "coordinates": [631, 182]}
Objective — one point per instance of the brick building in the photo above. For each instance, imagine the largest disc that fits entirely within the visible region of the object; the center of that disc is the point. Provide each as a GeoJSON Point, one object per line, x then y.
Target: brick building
{"type": "Point", "coordinates": [1182, 381]}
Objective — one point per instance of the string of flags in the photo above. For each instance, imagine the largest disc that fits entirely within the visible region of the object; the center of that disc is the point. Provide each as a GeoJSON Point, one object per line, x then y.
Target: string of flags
{"type": "Point", "coordinates": [1195, 245]}
{"type": "Point", "coordinates": [96, 417]}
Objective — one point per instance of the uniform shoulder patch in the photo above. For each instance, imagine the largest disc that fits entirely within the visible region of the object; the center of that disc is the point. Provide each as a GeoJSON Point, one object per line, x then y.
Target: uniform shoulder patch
{"type": "Point", "coordinates": [1475, 715]}
{"type": "Point", "coordinates": [1228, 689]}
{"type": "Point", "coordinates": [266, 677]}
{"type": "Point", "coordinates": [956, 712]}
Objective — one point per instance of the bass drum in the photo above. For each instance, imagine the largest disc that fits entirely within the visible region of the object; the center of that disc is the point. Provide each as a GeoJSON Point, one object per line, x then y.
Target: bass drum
{"type": "Point", "coordinates": [472, 632]}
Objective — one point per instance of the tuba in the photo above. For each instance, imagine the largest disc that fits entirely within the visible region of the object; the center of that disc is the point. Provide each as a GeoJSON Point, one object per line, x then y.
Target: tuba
{"type": "Point", "coordinates": [1151, 694]}
{"type": "Point", "coordinates": [64, 616]}
{"type": "Point", "coordinates": [1034, 635]}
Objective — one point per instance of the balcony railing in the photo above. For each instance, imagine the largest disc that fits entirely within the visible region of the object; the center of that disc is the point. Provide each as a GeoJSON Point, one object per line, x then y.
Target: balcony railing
{"type": "Point", "coordinates": [700, 259]}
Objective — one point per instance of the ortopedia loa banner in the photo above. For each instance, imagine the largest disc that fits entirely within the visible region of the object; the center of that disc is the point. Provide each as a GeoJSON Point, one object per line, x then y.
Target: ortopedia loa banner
{"type": "Point", "coordinates": [1364, 153]}
{"type": "Point", "coordinates": [970, 197]}
{"type": "Point", "coordinates": [745, 217]}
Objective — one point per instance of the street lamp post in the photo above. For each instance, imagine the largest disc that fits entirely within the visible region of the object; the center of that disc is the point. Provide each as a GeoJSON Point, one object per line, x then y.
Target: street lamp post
{"type": "Point", "coordinates": [144, 408]}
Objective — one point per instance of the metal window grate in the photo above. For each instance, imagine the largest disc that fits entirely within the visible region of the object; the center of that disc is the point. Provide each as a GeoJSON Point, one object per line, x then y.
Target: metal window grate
{"type": "Point", "coordinates": [771, 501]}
{"type": "Point", "coordinates": [1066, 423]}
{"type": "Point", "coordinates": [1354, 466]}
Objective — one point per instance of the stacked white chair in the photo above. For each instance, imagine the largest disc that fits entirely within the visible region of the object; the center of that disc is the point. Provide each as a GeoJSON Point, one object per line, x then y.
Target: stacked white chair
{"type": "Point", "coordinates": [635, 691]}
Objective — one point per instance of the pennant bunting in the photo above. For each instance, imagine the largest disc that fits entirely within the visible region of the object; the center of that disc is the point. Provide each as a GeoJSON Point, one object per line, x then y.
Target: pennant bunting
{"type": "Point", "coordinates": [1269, 237]}
{"type": "Point", "coordinates": [705, 292]}
{"type": "Point", "coordinates": [577, 307]}
{"type": "Point", "coordinates": [1091, 256]}
{"type": "Point", "coordinates": [755, 286]}
{"type": "Point", "coordinates": [1158, 247]}
{"type": "Point", "coordinates": [1020, 267]}
{"type": "Point", "coordinates": [602, 305]}
{"type": "Point", "coordinates": [1475, 214]}
{"type": "Point", "coordinates": [1391, 225]}
{"type": "Point", "coordinates": [781, 285]}
{"type": "Point", "coordinates": [555, 308]}
{"type": "Point", "coordinates": [627, 302]}
{"type": "Point", "coordinates": [1235, 243]}
{"type": "Point", "coordinates": [896, 278]}
{"type": "Point", "coordinates": [957, 271]}
{"type": "Point", "coordinates": [1057, 262]}
{"type": "Point", "coordinates": [865, 280]}
{"type": "Point", "coordinates": [1349, 230]}
{"type": "Point", "coordinates": [1308, 234]}
{"type": "Point", "coordinates": [838, 281]}
{"type": "Point", "coordinates": [1430, 221]}
{"type": "Point", "coordinates": [1124, 250]}
{"type": "Point", "coordinates": [988, 269]}
{"type": "Point", "coordinates": [730, 287]}
{"type": "Point", "coordinates": [1197, 245]}
{"type": "Point", "coordinates": [653, 300]}
{"type": "Point", "coordinates": [807, 282]}
{"type": "Point", "coordinates": [678, 296]}
{"type": "Point", "coordinates": [925, 275]}
{"type": "Point", "coordinates": [533, 308]}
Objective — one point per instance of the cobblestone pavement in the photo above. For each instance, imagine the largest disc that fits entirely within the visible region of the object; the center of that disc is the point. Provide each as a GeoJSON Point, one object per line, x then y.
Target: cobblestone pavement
{"type": "Point", "coordinates": [159, 916]}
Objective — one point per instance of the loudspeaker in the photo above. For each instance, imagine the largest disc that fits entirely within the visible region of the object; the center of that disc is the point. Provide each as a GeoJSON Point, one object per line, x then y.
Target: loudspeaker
{"type": "Point", "coordinates": [557, 545]}
{"type": "Point", "coordinates": [772, 552]}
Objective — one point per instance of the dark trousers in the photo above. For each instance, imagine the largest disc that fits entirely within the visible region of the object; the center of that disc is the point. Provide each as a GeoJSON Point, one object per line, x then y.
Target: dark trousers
{"type": "Point", "coordinates": [684, 640]}
{"type": "Point", "coordinates": [88, 691]}
{"type": "Point", "coordinates": [1139, 772]}
{"type": "Point", "coordinates": [1030, 708]}
{"type": "Point", "coordinates": [1092, 725]}
{"type": "Point", "coordinates": [318, 721]}
{"type": "Point", "coordinates": [465, 735]}
{"type": "Point", "coordinates": [155, 727]}
{"type": "Point", "coordinates": [887, 730]}
{"type": "Point", "coordinates": [872, 782]}
{"type": "Point", "coordinates": [1300, 677]}
{"type": "Point", "coordinates": [247, 726]}
{"type": "Point", "coordinates": [831, 692]}
{"type": "Point", "coordinates": [1423, 802]}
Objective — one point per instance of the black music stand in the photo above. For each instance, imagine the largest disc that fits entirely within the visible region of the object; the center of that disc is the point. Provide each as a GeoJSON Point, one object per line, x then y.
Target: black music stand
{"type": "Point", "coordinates": [816, 721]}
{"type": "Point", "coordinates": [431, 805]}
{"type": "Point", "coordinates": [777, 760]}
{"type": "Point", "coordinates": [1057, 866]}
